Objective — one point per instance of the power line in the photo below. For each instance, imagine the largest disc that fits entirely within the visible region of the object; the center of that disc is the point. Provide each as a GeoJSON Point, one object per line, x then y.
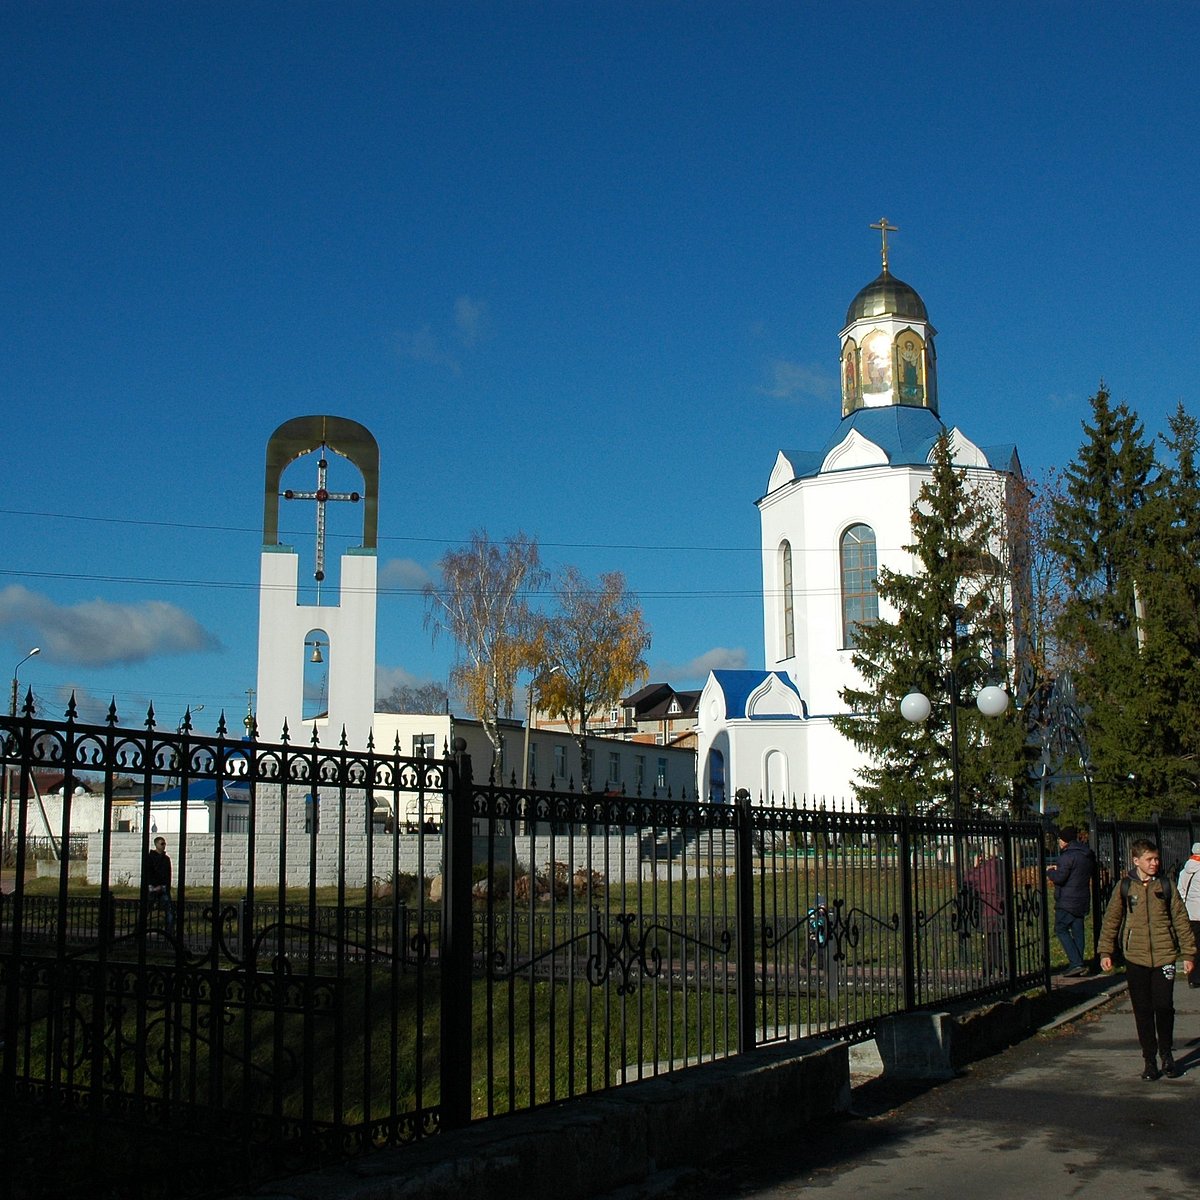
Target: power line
{"type": "Point", "coordinates": [228, 585]}
{"type": "Point", "coordinates": [388, 537]}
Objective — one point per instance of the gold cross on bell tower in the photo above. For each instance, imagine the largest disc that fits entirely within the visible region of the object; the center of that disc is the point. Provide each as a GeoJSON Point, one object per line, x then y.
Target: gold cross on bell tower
{"type": "Point", "coordinates": [884, 229]}
{"type": "Point", "coordinates": [322, 495]}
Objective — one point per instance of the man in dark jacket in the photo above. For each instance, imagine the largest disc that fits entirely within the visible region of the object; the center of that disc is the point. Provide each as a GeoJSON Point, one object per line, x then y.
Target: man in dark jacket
{"type": "Point", "coordinates": [1072, 879]}
{"type": "Point", "coordinates": [158, 882]}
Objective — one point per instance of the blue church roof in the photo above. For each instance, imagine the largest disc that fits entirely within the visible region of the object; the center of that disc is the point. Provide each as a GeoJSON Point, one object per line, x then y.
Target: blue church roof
{"type": "Point", "coordinates": [204, 791]}
{"type": "Point", "coordinates": [736, 687]}
{"type": "Point", "coordinates": [905, 434]}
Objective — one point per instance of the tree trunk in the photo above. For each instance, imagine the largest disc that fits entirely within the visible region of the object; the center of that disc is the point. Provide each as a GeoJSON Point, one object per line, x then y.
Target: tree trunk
{"type": "Point", "coordinates": [585, 775]}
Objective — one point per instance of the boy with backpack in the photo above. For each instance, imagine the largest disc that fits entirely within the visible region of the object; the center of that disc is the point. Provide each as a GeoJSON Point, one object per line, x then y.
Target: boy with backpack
{"type": "Point", "coordinates": [1148, 919]}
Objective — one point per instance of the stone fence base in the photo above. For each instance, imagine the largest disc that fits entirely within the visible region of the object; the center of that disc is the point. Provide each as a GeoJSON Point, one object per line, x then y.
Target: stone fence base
{"type": "Point", "coordinates": [589, 1147]}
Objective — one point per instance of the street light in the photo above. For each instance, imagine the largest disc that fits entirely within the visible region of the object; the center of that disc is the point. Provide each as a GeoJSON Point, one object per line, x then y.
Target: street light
{"type": "Point", "coordinates": [186, 719]}
{"type": "Point", "coordinates": [529, 716]}
{"type": "Point", "coordinates": [6, 801]}
{"type": "Point", "coordinates": [991, 700]}
{"type": "Point", "coordinates": [12, 707]}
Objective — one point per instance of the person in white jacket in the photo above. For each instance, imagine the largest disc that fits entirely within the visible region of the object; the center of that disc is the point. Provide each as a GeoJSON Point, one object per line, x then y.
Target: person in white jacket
{"type": "Point", "coordinates": [1189, 892]}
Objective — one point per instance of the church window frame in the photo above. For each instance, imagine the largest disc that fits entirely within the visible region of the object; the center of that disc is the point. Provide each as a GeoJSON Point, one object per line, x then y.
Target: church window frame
{"type": "Point", "coordinates": [787, 611]}
{"type": "Point", "coordinates": [859, 563]}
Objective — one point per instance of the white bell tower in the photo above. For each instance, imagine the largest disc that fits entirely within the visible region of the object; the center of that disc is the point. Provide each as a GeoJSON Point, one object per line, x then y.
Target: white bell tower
{"type": "Point", "coordinates": [339, 630]}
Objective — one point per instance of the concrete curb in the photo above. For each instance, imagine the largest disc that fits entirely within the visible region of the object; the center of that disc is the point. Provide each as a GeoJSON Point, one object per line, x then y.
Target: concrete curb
{"type": "Point", "coordinates": [590, 1146]}
{"type": "Point", "coordinates": [670, 1123]}
{"type": "Point", "coordinates": [931, 1045]}
{"type": "Point", "coordinates": [1117, 988]}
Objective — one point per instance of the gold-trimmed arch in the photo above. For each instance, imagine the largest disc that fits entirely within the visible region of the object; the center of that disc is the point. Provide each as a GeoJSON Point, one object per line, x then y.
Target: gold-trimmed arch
{"type": "Point", "coordinates": [302, 435]}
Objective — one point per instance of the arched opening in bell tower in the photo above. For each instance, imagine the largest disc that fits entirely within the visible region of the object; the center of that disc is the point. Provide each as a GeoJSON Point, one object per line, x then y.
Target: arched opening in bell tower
{"type": "Point", "coordinates": [316, 675]}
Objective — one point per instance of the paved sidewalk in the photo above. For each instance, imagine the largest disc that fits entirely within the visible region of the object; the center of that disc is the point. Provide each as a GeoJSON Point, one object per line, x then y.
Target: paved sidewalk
{"type": "Point", "coordinates": [1061, 1114]}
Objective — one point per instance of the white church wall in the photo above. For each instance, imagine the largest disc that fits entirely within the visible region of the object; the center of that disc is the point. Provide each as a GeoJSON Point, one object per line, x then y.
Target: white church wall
{"type": "Point", "coordinates": [780, 761]}
{"type": "Point", "coordinates": [812, 514]}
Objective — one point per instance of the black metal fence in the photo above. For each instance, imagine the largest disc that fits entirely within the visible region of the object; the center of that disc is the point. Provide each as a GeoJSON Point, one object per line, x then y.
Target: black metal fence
{"type": "Point", "coordinates": [323, 987]}
{"type": "Point", "coordinates": [1113, 841]}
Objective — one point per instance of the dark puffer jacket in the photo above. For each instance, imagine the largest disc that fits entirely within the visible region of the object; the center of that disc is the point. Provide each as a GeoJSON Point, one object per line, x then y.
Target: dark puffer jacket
{"type": "Point", "coordinates": [1073, 878]}
{"type": "Point", "coordinates": [1152, 930]}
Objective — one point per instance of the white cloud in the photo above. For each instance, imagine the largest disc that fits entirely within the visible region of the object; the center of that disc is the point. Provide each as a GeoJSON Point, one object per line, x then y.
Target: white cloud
{"type": "Point", "coordinates": [389, 678]}
{"type": "Point", "coordinates": [92, 709]}
{"type": "Point", "coordinates": [792, 380]}
{"type": "Point", "coordinates": [404, 574]}
{"type": "Point", "coordinates": [719, 658]}
{"type": "Point", "coordinates": [469, 323]}
{"type": "Point", "coordinates": [470, 319]}
{"type": "Point", "coordinates": [98, 633]}
{"type": "Point", "coordinates": [424, 346]}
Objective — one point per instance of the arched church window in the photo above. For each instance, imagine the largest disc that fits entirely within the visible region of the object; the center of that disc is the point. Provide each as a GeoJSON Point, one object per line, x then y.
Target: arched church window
{"type": "Point", "coordinates": [716, 777]}
{"type": "Point", "coordinates": [860, 600]}
{"type": "Point", "coordinates": [775, 771]}
{"type": "Point", "coordinates": [787, 615]}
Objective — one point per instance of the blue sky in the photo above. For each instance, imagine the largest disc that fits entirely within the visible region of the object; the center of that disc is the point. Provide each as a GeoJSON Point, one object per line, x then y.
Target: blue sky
{"type": "Point", "coordinates": [580, 267]}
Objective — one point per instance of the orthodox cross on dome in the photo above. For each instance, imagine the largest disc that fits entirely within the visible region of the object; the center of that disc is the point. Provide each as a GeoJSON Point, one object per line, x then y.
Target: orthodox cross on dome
{"type": "Point", "coordinates": [322, 495]}
{"type": "Point", "coordinates": [884, 229]}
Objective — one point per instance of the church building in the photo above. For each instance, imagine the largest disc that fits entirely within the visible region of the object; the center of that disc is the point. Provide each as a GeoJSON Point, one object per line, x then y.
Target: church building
{"type": "Point", "coordinates": [829, 518]}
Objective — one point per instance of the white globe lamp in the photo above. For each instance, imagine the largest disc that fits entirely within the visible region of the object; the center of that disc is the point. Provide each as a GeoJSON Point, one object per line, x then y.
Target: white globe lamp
{"type": "Point", "coordinates": [992, 700]}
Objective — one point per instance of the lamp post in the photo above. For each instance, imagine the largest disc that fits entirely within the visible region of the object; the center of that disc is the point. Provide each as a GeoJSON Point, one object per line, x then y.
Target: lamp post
{"type": "Point", "coordinates": [1085, 764]}
{"type": "Point", "coordinates": [12, 706]}
{"type": "Point", "coordinates": [6, 801]}
{"type": "Point", "coordinates": [915, 707]}
{"type": "Point", "coordinates": [1070, 726]}
{"type": "Point", "coordinates": [186, 719]}
{"type": "Point", "coordinates": [185, 725]}
{"type": "Point", "coordinates": [542, 675]}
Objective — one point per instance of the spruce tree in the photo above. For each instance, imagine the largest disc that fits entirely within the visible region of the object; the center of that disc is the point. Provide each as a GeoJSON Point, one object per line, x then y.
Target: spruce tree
{"type": "Point", "coordinates": [1170, 647]}
{"type": "Point", "coordinates": [1104, 529]}
{"type": "Point", "coordinates": [948, 637]}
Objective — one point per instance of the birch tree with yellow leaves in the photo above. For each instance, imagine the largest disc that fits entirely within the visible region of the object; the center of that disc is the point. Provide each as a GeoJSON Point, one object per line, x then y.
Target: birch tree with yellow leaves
{"type": "Point", "coordinates": [589, 653]}
{"type": "Point", "coordinates": [482, 603]}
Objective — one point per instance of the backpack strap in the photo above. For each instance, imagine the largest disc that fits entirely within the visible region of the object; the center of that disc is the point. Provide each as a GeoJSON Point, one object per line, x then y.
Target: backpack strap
{"type": "Point", "coordinates": [1167, 888]}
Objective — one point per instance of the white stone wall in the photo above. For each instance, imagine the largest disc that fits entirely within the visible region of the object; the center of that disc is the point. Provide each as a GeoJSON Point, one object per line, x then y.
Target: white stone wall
{"type": "Point", "coordinates": [126, 850]}
{"type": "Point", "coordinates": [348, 648]}
{"type": "Point", "coordinates": [337, 856]}
{"type": "Point", "coordinates": [616, 858]}
{"type": "Point", "coordinates": [44, 818]}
